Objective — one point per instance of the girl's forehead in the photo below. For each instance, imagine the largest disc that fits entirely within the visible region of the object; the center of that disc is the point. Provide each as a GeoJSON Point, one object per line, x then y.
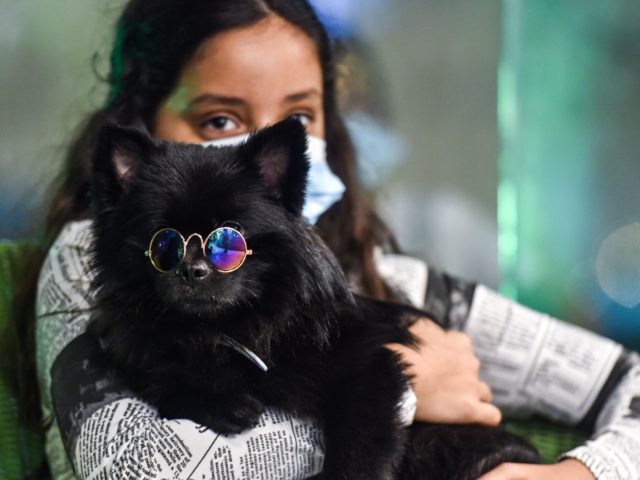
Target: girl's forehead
{"type": "Point", "coordinates": [271, 57]}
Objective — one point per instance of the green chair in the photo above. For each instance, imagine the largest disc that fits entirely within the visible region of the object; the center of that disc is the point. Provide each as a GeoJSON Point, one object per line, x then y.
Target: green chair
{"type": "Point", "coordinates": [550, 439]}
{"type": "Point", "coordinates": [21, 451]}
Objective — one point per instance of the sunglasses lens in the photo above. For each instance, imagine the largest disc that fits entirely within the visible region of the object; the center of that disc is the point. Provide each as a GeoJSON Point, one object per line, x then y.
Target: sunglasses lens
{"type": "Point", "coordinates": [166, 250]}
{"type": "Point", "coordinates": [226, 249]}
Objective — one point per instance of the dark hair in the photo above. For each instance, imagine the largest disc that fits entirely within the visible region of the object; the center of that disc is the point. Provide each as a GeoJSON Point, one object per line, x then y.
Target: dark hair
{"type": "Point", "coordinates": [154, 40]}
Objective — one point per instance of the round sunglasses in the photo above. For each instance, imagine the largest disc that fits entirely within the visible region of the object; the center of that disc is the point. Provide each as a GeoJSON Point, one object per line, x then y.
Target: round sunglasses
{"type": "Point", "coordinates": [225, 248]}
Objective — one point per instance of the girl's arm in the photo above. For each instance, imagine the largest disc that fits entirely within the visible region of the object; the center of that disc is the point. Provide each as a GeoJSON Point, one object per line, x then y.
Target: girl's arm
{"type": "Point", "coordinates": [536, 364]}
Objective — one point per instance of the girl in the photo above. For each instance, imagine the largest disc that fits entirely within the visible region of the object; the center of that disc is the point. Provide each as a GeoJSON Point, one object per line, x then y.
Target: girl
{"type": "Point", "coordinates": [201, 70]}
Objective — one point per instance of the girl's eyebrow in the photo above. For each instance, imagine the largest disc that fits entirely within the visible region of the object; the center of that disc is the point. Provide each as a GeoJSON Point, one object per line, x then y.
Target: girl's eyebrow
{"type": "Point", "coordinates": [237, 101]}
{"type": "Point", "coordinates": [296, 97]}
{"type": "Point", "coordinates": [218, 99]}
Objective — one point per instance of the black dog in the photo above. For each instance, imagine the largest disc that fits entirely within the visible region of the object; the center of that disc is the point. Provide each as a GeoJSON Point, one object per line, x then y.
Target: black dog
{"type": "Point", "coordinates": [289, 304]}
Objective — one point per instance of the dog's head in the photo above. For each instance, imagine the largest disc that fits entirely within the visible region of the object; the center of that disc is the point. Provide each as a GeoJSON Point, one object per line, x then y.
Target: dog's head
{"type": "Point", "coordinates": [255, 191]}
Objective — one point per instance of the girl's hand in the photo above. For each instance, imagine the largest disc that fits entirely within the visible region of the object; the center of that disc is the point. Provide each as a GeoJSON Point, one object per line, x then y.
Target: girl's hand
{"type": "Point", "coordinates": [445, 378]}
{"type": "Point", "coordinates": [568, 469]}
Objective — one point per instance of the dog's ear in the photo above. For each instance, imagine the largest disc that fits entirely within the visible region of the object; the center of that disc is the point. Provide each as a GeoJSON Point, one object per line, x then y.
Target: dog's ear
{"type": "Point", "coordinates": [119, 153]}
{"type": "Point", "coordinates": [279, 154]}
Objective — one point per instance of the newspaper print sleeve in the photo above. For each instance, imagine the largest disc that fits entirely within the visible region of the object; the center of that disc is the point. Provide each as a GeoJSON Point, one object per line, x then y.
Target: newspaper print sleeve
{"type": "Point", "coordinates": [536, 364]}
{"type": "Point", "coordinates": [101, 431]}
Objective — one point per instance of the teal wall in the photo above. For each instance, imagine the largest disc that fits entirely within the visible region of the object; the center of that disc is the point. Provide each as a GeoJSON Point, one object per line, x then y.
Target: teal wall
{"type": "Point", "coordinates": [568, 196]}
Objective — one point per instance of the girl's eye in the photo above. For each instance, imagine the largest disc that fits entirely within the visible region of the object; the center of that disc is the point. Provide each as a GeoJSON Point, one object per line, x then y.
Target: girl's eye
{"type": "Point", "coordinates": [303, 118]}
{"type": "Point", "coordinates": [220, 123]}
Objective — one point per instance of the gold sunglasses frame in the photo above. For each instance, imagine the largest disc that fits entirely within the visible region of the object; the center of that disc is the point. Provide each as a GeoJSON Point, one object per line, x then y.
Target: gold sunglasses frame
{"type": "Point", "coordinates": [202, 244]}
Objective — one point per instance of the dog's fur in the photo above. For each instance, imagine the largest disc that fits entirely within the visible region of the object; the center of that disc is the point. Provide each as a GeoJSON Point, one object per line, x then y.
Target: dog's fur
{"type": "Point", "coordinates": [289, 303]}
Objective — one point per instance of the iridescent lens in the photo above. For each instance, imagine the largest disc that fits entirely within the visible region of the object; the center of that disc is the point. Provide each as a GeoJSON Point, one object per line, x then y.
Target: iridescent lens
{"type": "Point", "coordinates": [226, 249]}
{"type": "Point", "coordinates": [166, 250]}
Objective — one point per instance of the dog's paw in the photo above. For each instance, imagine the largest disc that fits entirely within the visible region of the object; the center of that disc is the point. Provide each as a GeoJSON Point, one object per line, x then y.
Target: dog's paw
{"type": "Point", "coordinates": [234, 415]}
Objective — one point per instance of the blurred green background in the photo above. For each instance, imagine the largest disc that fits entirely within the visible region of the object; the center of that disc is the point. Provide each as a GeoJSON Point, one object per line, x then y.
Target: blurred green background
{"type": "Point", "coordinates": [501, 138]}
{"type": "Point", "coordinates": [569, 202]}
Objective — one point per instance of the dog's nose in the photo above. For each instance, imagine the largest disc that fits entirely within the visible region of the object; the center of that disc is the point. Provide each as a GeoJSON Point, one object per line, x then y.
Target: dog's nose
{"type": "Point", "coordinates": [196, 271]}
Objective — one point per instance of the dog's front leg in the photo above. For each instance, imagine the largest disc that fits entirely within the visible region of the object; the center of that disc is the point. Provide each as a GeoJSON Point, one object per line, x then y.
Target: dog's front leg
{"type": "Point", "coordinates": [225, 412]}
{"type": "Point", "coordinates": [364, 438]}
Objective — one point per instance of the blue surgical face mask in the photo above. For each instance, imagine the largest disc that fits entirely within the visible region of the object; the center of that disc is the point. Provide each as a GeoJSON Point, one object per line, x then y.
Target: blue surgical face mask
{"type": "Point", "coordinates": [324, 188]}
